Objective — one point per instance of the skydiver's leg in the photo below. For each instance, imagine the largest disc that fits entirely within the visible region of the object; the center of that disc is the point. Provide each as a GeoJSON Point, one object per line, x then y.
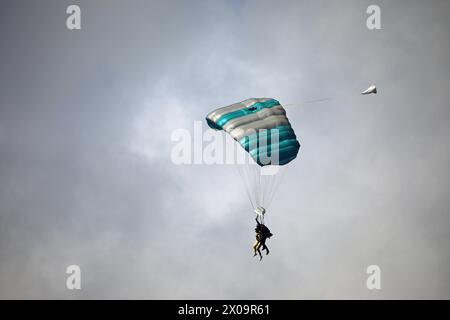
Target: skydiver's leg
{"type": "Point", "coordinates": [258, 248]}
{"type": "Point", "coordinates": [265, 247]}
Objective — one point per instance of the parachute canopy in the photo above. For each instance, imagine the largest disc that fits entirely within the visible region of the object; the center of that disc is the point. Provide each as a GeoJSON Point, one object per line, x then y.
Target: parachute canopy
{"type": "Point", "coordinates": [369, 90]}
{"type": "Point", "coordinates": [261, 127]}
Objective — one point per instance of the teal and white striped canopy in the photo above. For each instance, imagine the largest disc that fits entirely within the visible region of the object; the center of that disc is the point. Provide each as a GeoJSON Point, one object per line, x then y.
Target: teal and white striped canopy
{"type": "Point", "coordinates": [261, 127]}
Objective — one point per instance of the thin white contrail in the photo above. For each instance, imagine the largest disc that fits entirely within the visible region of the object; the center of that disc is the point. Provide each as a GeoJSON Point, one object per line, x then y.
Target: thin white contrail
{"type": "Point", "coordinates": [308, 102]}
{"type": "Point", "coordinates": [340, 97]}
{"type": "Point", "coordinates": [317, 100]}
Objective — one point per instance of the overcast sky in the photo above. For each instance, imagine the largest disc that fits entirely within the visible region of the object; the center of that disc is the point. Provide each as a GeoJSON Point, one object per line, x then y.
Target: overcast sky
{"type": "Point", "coordinates": [86, 176]}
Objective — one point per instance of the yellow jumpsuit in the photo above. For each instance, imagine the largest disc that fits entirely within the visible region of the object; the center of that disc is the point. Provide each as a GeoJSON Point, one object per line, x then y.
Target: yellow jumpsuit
{"type": "Point", "coordinates": [257, 244]}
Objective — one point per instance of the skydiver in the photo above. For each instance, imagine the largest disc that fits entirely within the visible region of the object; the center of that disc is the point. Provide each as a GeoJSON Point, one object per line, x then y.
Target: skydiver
{"type": "Point", "coordinates": [257, 245]}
